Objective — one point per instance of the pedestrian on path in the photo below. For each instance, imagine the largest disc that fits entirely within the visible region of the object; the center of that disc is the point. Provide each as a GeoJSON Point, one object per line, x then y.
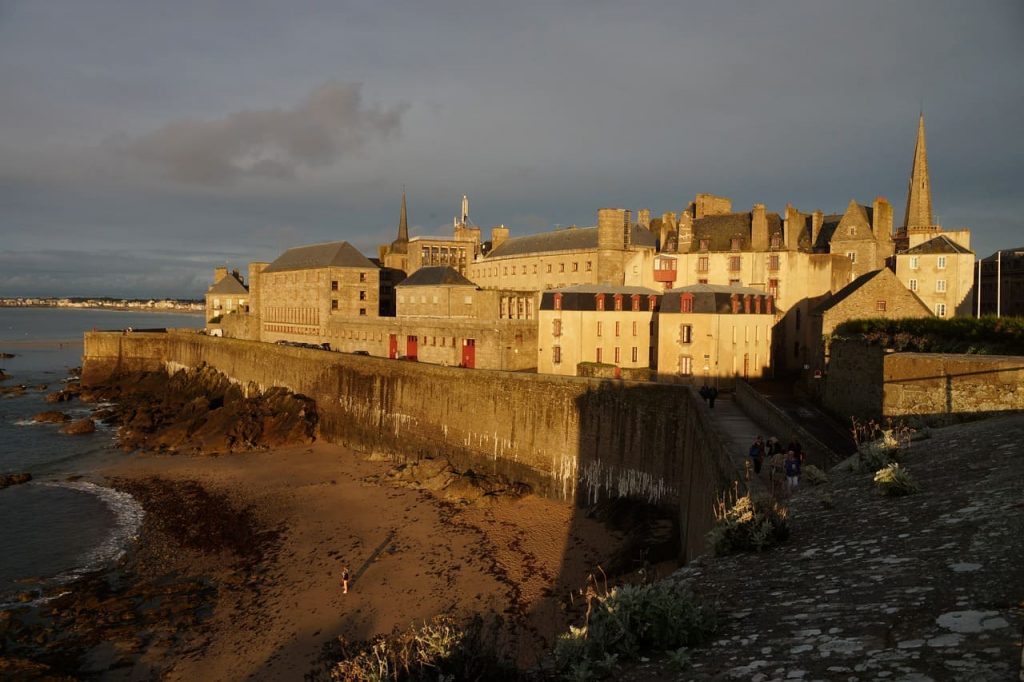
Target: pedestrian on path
{"type": "Point", "coordinates": [756, 453]}
{"type": "Point", "coordinates": [705, 393]}
{"type": "Point", "coordinates": [712, 394]}
{"type": "Point", "coordinates": [792, 470]}
{"type": "Point", "coordinates": [345, 577]}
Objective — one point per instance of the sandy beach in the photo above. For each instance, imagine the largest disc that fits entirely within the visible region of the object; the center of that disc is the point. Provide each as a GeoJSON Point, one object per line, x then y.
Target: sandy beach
{"type": "Point", "coordinates": [412, 556]}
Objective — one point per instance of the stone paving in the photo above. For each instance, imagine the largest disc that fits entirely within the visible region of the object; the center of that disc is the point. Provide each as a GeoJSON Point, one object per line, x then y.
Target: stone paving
{"type": "Point", "coordinates": [929, 586]}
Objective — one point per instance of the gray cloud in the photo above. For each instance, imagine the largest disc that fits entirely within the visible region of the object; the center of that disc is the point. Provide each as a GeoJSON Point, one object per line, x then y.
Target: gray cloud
{"type": "Point", "coordinates": [271, 143]}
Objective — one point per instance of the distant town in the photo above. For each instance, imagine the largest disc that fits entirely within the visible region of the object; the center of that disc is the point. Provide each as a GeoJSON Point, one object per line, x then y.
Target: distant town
{"type": "Point", "coordinates": [143, 304]}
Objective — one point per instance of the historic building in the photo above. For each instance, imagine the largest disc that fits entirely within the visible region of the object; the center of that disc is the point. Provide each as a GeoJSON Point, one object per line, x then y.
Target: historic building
{"type": "Point", "coordinates": [600, 324]}
{"type": "Point", "coordinates": [458, 251]}
{"type": "Point", "coordinates": [941, 272]}
{"type": "Point", "coordinates": [227, 295]}
{"type": "Point", "coordinates": [713, 333]}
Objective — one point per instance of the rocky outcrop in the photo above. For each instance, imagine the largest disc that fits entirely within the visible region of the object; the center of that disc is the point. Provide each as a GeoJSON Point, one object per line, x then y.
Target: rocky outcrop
{"type": "Point", "coordinates": [66, 394]}
{"type": "Point", "coordinates": [441, 478]}
{"type": "Point", "coordinates": [201, 411]}
{"type": "Point", "coordinates": [7, 480]}
{"type": "Point", "coordinates": [13, 390]}
{"type": "Point", "coordinates": [4, 375]}
{"type": "Point", "coordinates": [80, 427]}
{"type": "Point", "coordinates": [51, 417]}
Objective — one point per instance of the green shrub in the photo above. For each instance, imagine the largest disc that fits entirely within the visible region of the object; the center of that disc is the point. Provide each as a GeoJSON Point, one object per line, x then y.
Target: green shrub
{"type": "Point", "coordinates": [627, 621]}
{"type": "Point", "coordinates": [987, 335]}
{"type": "Point", "coordinates": [749, 525]}
{"type": "Point", "coordinates": [812, 475]}
{"type": "Point", "coordinates": [894, 480]}
{"type": "Point", "coordinates": [877, 446]}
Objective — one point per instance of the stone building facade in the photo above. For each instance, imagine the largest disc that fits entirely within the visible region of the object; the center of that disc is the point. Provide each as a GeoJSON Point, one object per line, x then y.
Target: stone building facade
{"type": "Point", "coordinates": [941, 272]}
{"type": "Point", "coordinates": [1002, 283]}
{"type": "Point", "coordinates": [612, 325]}
{"type": "Point", "coordinates": [712, 334]}
{"type": "Point", "coordinates": [227, 295]}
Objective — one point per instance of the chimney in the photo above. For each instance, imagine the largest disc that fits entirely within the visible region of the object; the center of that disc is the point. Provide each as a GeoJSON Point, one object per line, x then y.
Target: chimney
{"type": "Point", "coordinates": [643, 218]}
{"type": "Point", "coordinates": [613, 228]}
{"type": "Point", "coordinates": [881, 219]}
{"type": "Point", "coordinates": [817, 219]}
{"type": "Point", "coordinates": [219, 274]}
{"type": "Point", "coordinates": [684, 232]}
{"type": "Point", "coordinates": [236, 275]}
{"type": "Point", "coordinates": [498, 236]}
{"type": "Point", "coordinates": [255, 268]}
{"type": "Point", "coordinates": [792, 227]}
{"type": "Point", "coordinates": [758, 229]}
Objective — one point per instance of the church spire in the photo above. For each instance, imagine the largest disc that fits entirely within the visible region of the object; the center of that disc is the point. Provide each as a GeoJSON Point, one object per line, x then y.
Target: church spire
{"type": "Point", "coordinates": [919, 193]}
{"type": "Point", "coordinates": [403, 222]}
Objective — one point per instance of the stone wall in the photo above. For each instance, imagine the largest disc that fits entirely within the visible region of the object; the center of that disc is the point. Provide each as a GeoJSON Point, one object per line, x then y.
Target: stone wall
{"type": "Point", "coordinates": [570, 438]}
{"type": "Point", "coordinates": [776, 422]}
{"type": "Point", "coordinates": [867, 382]}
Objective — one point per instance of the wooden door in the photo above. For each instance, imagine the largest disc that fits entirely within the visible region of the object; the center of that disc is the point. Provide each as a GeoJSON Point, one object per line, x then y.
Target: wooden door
{"type": "Point", "coordinates": [392, 346]}
{"type": "Point", "coordinates": [469, 353]}
{"type": "Point", "coordinates": [411, 347]}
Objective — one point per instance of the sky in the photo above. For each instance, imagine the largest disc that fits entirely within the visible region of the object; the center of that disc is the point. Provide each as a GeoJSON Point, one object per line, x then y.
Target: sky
{"type": "Point", "coordinates": [143, 143]}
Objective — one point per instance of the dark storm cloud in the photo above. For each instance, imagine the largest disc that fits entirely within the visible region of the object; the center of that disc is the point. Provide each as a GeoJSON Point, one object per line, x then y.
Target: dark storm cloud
{"type": "Point", "coordinates": [271, 143]}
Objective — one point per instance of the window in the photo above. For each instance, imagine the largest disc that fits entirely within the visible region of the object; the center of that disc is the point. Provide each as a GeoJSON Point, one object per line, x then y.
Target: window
{"type": "Point", "coordinates": [556, 327]}
{"type": "Point", "coordinates": [685, 333]}
{"type": "Point", "coordinates": [851, 231]}
{"type": "Point", "coordinates": [634, 354]}
{"type": "Point", "coordinates": [362, 295]}
{"type": "Point", "coordinates": [704, 244]}
{"type": "Point", "coordinates": [561, 267]}
{"type": "Point", "coordinates": [600, 301]}
{"type": "Point", "coordinates": [773, 288]}
{"type": "Point", "coordinates": [735, 243]}
{"type": "Point", "coordinates": [634, 302]}
{"type": "Point", "coordinates": [334, 304]}
{"type": "Point", "coordinates": [773, 262]}
{"type": "Point", "coordinates": [734, 263]}
{"type": "Point", "coordinates": [600, 325]}
{"type": "Point", "coordinates": [686, 303]}
{"type": "Point", "coordinates": [618, 301]}
{"type": "Point", "coordinates": [617, 328]}
{"type": "Point", "coordinates": [598, 355]}
{"type": "Point", "coordinates": [702, 280]}
{"type": "Point", "coordinates": [549, 267]}
{"type": "Point", "coordinates": [940, 309]}
{"type": "Point", "coordinates": [798, 318]}
{"type": "Point", "coordinates": [940, 285]}
{"type": "Point", "coordinates": [702, 264]}
{"type": "Point", "coordinates": [942, 263]}
{"type": "Point", "coordinates": [468, 300]}
{"type": "Point", "coordinates": [362, 311]}
{"type": "Point", "coordinates": [634, 329]}
{"type": "Point", "coordinates": [362, 276]}
{"type": "Point", "coordinates": [590, 266]}
{"type": "Point", "coordinates": [685, 365]}
{"type": "Point", "coordinates": [913, 285]}
{"type": "Point", "coordinates": [506, 269]}
{"type": "Point", "coordinates": [880, 306]}
{"type": "Point", "coordinates": [775, 241]}
{"type": "Point", "coordinates": [556, 355]}
{"type": "Point", "coordinates": [558, 301]}
{"type": "Point", "coordinates": [334, 285]}
{"type": "Point", "coordinates": [734, 282]}
{"type": "Point", "coordinates": [617, 355]}
{"type": "Point", "coordinates": [852, 255]}
{"type": "Point", "coordinates": [913, 262]}
{"type": "Point", "coordinates": [575, 267]}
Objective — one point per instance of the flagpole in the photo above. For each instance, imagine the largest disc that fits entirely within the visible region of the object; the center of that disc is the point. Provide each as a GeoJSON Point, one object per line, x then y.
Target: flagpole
{"type": "Point", "coordinates": [999, 283]}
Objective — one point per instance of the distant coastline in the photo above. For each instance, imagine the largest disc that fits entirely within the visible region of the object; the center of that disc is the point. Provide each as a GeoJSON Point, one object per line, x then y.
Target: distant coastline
{"type": "Point", "coordinates": [165, 305]}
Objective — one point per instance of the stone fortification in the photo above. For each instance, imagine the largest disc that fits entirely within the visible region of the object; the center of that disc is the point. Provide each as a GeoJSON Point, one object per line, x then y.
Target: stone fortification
{"type": "Point", "coordinates": [570, 438]}
{"type": "Point", "coordinates": [866, 381]}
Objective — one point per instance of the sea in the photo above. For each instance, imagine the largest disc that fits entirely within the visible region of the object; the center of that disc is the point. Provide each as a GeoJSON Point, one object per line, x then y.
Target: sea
{"type": "Point", "coordinates": [65, 522]}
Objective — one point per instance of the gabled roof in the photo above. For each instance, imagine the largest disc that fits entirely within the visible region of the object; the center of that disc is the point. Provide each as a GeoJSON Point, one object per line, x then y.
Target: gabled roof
{"type": "Point", "coordinates": [856, 215]}
{"type": "Point", "coordinates": [708, 298]}
{"type": "Point", "coordinates": [331, 254]}
{"type": "Point", "coordinates": [1007, 253]}
{"type": "Point", "coordinates": [720, 229]}
{"type": "Point", "coordinates": [434, 276]}
{"type": "Point", "coordinates": [568, 239]}
{"type": "Point", "coordinates": [228, 285]}
{"type": "Point", "coordinates": [940, 244]}
{"type": "Point", "coordinates": [849, 289]}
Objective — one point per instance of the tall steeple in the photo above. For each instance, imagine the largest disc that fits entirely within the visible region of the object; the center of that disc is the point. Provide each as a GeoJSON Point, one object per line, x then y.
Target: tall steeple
{"type": "Point", "coordinates": [400, 245]}
{"type": "Point", "coordinates": [919, 193]}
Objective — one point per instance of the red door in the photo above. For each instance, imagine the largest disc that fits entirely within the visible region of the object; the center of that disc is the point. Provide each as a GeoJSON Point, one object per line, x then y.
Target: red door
{"type": "Point", "coordinates": [469, 353]}
{"type": "Point", "coordinates": [410, 347]}
{"type": "Point", "coordinates": [392, 346]}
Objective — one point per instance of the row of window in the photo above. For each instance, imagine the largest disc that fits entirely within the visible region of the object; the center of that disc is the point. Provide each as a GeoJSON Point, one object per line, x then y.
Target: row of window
{"type": "Point", "coordinates": [940, 285]}
{"type": "Point", "coordinates": [940, 263]}
{"type": "Point", "coordinates": [334, 306]}
{"type": "Point", "coordinates": [335, 283]}
{"type": "Point", "coordinates": [617, 301]}
{"type": "Point", "coordinates": [524, 269]}
{"type": "Point", "coordinates": [556, 354]}
{"type": "Point", "coordinates": [735, 263]}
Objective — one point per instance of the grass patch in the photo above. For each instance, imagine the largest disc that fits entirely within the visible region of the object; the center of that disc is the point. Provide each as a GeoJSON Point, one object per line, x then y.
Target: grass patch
{"type": "Point", "coordinates": [893, 480]}
{"type": "Point", "coordinates": [748, 525]}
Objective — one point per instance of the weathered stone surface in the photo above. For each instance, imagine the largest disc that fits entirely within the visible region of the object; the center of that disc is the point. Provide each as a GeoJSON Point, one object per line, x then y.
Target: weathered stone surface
{"type": "Point", "coordinates": [80, 427]}
{"type": "Point", "coordinates": [926, 586]}
{"type": "Point", "coordinates": [7, 480]}
{"type": "Point", "coordinates": [51, 417]}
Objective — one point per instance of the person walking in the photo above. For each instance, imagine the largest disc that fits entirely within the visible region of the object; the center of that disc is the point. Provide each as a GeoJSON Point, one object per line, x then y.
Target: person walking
{"type": "Point", "coordinates": [345, 578]}
{"type": "Point", "coordinates": [756, 454]}
{"type": "Point", "coordinates": [705, 393]}
{"type": "Point", "coordinates": [712, 394]}
{"type": "Point", "coordinates": [792, 470]}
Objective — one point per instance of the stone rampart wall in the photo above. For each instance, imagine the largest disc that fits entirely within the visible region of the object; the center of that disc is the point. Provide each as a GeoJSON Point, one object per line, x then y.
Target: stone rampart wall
{"type": "Point", "coordinates": [776, 422]}
{"type": "Point", "coordinates": [867, 382]}
{"type": "Point", "coordinates": [570, 438]}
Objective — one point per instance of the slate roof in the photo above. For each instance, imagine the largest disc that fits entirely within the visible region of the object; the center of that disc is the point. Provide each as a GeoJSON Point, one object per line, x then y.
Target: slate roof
{"type": "Point", "coordinates": [605, 289]}
{"type": "Point", "coordinates": [228, 285]}
{"type": "Point", "coordinates": [568, 239]}
{"type": "Point", "coordinates": [331, 254]}
{"type": "Point", "coordinates": [707, 298]}
{"type": "Point", "coordinates": [434, 276]}
{"type": "Point", "coordinates": [582, 297]}
{"type": "Point", "coordinates": [720, 230]}
{"type": "Point", "coordinates": [1007, 253]}
{"type": "Point", "coordinates": [848, 290]}
{"type": "Point", "coordinates": [940, 244]}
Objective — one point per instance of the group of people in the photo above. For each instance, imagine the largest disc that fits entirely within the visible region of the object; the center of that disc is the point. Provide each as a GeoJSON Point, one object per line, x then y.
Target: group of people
{"type": "Point", "coordinates": [773, 450]}
{"type": "Point", "coordinates": [709, 394]}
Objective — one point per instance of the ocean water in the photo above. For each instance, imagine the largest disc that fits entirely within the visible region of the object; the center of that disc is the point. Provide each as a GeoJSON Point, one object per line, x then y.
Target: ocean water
{"type": "Point", "coordinates": [65, 521]}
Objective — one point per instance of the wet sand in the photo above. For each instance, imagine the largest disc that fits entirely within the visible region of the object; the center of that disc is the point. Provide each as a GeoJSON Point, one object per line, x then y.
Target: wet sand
{"type": "Point", "coordinates": [412, 556]}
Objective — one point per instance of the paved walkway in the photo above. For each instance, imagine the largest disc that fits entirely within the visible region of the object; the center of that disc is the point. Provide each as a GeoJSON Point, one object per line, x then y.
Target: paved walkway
{"type": "Point", "coordinates": [737, 432]}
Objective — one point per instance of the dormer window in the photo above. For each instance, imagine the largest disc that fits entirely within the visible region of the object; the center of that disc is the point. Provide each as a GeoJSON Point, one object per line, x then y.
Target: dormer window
{"type": "Point", "coordinates": [634, 302]}
{"type": "Point", "coordinates": [558, 301]}
{"type": "Point", "coordinates": [704, 244]}
{"type": "Point", "coordinates": [735, 243]}
{"type": "Point", "coordinates": [618, 301]}
{"type": "Point", "coordinates": [600, 301]}
{"type": "Point", "coordinates": [776, 241]}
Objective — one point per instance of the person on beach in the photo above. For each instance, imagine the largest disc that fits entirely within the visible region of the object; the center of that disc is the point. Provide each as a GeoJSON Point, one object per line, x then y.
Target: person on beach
{"type": "Point", "coordinates": [345, 577]}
